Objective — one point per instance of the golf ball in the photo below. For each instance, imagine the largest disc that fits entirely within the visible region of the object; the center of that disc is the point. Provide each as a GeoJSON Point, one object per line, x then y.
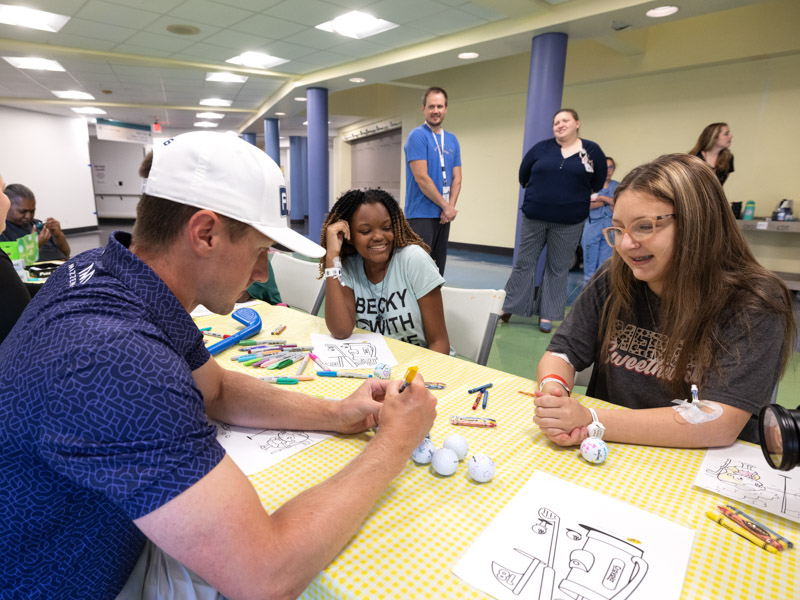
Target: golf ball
{"type": "Point", "coordinates": [444, 461]}
{"type": "Point", "coordinates": [481, 468]}
{"type": "Point", "coordinates": [457, 444]}
{"type": "Point", "coordinates": [424, 452]}
{"type": "Point", "coordinates": [594, 450]}
{"type": "Point", "coordinates": [382, 371]}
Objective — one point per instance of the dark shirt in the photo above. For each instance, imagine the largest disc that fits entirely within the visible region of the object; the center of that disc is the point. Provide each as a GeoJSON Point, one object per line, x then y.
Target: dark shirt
{"type": "Point", "coordinates": [558, 189]}
{"type": "Point", "coordinates": [14, 296]}
{"type": "Point", "coordinates": [47, 252]}
{"type": "Point", "coordinates": [721, 175]}
{"type": "Point", "coordinates": [101, 423]}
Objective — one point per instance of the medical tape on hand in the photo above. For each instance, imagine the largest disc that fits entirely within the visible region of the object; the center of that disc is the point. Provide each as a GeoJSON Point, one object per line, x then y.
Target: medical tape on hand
{"type": "Point", "coordinates": [692, 412]}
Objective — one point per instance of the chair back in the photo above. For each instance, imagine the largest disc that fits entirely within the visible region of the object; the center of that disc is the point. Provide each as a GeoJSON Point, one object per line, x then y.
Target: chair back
{"type": "Point", "coordinates": [471, 317]}
{"type": "Point", "coordinates": [297, 282]}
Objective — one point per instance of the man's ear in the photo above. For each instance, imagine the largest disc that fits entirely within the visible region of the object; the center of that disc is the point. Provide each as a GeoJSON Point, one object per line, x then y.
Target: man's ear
{"type": "Point", "coordinates": [204, 230]}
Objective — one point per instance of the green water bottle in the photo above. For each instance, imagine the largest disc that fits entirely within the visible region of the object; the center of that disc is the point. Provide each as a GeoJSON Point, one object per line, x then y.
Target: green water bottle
{"type": "Point", "coordinates": [749, 210]}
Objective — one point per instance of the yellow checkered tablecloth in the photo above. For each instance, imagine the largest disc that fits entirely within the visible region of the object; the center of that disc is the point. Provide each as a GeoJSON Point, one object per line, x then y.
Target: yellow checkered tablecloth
{"type": "Point", "coordinates": [423, 523]}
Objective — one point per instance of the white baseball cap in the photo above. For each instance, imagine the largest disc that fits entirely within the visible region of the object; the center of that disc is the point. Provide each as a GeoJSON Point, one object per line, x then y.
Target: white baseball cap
{"type": "Point", "coordinates": [220, 172]}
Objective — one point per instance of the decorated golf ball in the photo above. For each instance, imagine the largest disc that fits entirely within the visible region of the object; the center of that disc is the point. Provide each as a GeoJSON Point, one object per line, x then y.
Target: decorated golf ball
{"type": "Point", "coordinates": [444, 461]}
{"type": "Point", "coordinates": [424, 452]}
{"type": "Point", "coordinates": [382, 371]}
{"type": "Point", "coordinates": [594, 450]}
{"type": "Point", "coordinates": [481, 468]}
{"type": "Point", "coordinates": [457, 444]}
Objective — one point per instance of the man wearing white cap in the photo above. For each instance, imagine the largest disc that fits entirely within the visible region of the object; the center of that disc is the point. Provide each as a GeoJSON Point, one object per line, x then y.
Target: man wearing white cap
{"type": "Point", "coordinates": [114, 483]}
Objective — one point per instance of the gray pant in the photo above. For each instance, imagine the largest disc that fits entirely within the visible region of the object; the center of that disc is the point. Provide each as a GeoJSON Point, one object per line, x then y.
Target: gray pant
{"type": "Point", "coordinates": [436, 236]}
{"type": "Point", "coordinates": [562, 241]}
{"type": "Point", "coordinates": [158, 576]}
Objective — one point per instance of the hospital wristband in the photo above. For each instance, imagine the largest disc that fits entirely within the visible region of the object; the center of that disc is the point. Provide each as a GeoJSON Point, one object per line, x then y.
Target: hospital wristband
{"type": "Point", "coordinates": [556, 379]}
{"type": "Point", "coordinates": [595, 428]}
{"type": "Point", "coordinates": [333, 272]}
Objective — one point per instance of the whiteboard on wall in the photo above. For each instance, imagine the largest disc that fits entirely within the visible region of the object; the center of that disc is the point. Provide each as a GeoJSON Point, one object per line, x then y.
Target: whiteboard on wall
{"type": "Point", "coordinates": [50, 155]}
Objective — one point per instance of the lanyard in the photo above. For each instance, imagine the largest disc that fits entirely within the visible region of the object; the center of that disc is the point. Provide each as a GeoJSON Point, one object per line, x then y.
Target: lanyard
{"type": "Point", "coordinates": [440, 150]}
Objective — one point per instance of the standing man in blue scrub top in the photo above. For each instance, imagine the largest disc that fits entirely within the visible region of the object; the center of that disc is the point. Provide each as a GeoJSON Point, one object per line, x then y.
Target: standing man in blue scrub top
{"type": "Point", "coordinates": [433, 176]}
{"type": "Point", "coordinates": [114, 483]}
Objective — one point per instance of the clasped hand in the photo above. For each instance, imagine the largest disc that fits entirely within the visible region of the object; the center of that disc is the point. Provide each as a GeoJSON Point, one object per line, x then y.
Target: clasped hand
{"type": "Point", "coordinates": [408, 415]}
{"type": "Point", "coordinates": [562, 419]}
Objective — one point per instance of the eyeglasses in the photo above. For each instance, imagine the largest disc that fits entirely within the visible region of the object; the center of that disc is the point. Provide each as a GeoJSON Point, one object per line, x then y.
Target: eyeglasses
{"type": "Point", "coordinates": [640, 230]}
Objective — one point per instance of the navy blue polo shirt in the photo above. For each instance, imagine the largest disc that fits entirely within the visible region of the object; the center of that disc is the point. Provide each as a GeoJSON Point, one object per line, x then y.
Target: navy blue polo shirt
{"type": "Point", "coordinates": [100, 424]}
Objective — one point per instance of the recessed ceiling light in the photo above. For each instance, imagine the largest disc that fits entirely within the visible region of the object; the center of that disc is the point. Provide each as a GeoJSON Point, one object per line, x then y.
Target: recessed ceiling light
{"type": "Point", "coordinates": [209, 115]}
{"type": "Point", "coordinates": [357, 80]}
{"type": "Point", "coordinates": [74, 95]}
{"type": "Point", "coordinates": [215, 102]}
{"type": "Point", "coordinates": [257, 60]}
{"type": "Point", "coordinates": [226, 77]}
{"type": "Point", "coordinates": [31, 18]}
{"type": "Point", "coordinates": [356, 25]}
{"type": "Point", "coordinates": [662, 11]}
{"type": "Point", "coordinates": [205, 124]}
{"type": "Point", "coordinates": [301, 99]}
{"type": "Point", "coordinates": [89, 110]}
{"type": "Point", "coordinates": [280, 114]}
{"type": "Point", "coordinates": [181, 29]}
{"type": "Point", "coordinates": [31, 62]}
{"type": "Point", "coordinates": [468, 55]}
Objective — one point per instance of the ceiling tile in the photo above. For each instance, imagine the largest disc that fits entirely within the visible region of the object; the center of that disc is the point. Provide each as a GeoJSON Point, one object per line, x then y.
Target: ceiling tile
{"type": "Point", "coordinates": [93, 29]}
{"type": "Point", "coordinates": [400, 37]}
{"type": "Point", "coordinates": [127, 48]}
{"type": "Point", "coordinates": [308, 12]}
{"type": "Point", "coordinates": [482, 11]}
{"type": "Point", "coordinates": [77, 41]}
{"type": "Point", "coordinates": [269, 26]}
{"type": "Point", "coordinates": [159, 26]}
{"type": "Point", "coordinates": [254, 5]}
{"type": "Point", "coordinates": [145, 39]}
{"type": "Point", "coordinates": [287, 50]}
{"type": "Point", "coordinates": [238, 41]}
{"type": "Point", "coordinates": [406, 11]}
{"type": "Point", "coordinates": [159, 6]}
{"type": "Point", "coordinates": [358, 49]}
{"type": "Point", "coordinates": [60, 7]}
{"type": "Point", "coordinates": [448, 21]}
{"type": "Point", "coordinates": [212, 13]}
{"type": "Point", "coordinates": [325, 58]}
{"type": "Point", "coordinates": [205, 53]}
{"type": "Point", "coordinates": [316, 38]}
{"type": "Point", "coordinates": [114, 14]}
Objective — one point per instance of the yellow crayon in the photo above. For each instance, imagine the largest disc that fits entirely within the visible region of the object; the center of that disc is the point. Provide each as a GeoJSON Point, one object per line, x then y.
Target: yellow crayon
{"type": "Point", "coordinates": [728, 524]}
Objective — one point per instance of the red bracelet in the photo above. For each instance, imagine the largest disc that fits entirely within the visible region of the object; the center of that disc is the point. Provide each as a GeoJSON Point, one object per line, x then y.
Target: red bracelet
{"type": "Point", "coordinates": [558, 379]}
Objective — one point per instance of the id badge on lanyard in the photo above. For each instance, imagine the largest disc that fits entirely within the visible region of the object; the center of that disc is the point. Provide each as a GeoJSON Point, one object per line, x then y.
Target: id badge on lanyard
{"type": "Point", "coordinates": [440, 150]}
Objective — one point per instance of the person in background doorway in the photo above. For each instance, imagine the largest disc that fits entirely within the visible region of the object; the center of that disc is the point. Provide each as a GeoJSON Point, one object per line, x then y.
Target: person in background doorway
{"type": "Point", "coordinates": [433, 176]}
{"type": "Point", "coordinates": [713, 146]}
{"type": "Point", "coordinates": [53, 243]}
{"type": "Point", "coordinates": [559, 176]}
{"type": "Point", "coordinates": [595, 249]}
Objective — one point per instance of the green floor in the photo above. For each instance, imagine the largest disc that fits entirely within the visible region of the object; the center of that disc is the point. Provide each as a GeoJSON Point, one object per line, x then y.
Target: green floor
{"type": "Point", "coordinates": [519, 344]}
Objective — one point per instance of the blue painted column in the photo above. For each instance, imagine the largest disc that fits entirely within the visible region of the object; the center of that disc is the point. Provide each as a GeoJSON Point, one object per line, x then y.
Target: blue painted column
{"type": "Point", "coordinates": [272, 140]}
{"type": "Point", "coordinates": [545, 89]}
{"type": "Point", "coordinates": [304, 176]}
{"type": "Point", "coordinates": [250, 138]}
{"type": "Point", "coordinates": [297, 159]}
{"type": "Point", "coordinates": [318, 193]}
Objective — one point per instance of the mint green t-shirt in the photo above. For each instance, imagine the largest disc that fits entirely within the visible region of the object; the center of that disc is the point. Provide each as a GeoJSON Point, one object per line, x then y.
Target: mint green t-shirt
{"type": "Point", "coordinates": [391, 306]}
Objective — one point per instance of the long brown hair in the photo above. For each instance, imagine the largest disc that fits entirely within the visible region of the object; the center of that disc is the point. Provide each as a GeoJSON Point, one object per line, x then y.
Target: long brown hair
{"type": "Point", "coordinates": [346, 206]}
{"type": "Point", "coordinates": [711, 278]}
{"type": "Point", "coordinates": [706, 142]}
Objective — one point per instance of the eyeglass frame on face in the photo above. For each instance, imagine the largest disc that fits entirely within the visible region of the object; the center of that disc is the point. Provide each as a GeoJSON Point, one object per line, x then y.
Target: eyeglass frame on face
{"type": "Point", "coordinates": [629, 230]}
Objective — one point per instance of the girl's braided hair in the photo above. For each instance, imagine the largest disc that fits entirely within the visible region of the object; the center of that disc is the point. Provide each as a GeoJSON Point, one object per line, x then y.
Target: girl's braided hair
{"type": "Point", "coordinates": [346, 206]}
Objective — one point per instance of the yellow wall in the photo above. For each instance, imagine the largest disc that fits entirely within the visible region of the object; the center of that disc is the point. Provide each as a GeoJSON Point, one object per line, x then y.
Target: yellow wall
{"type": "Point", "coordinates": [651, 94]}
